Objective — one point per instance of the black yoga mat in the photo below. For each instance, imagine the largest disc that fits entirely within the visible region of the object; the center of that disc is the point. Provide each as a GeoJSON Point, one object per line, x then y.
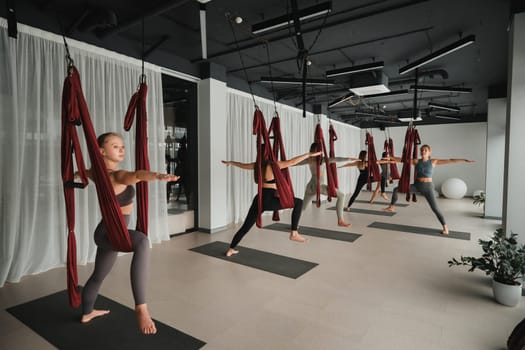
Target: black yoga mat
{"type": "Point", "coordinates": [386, 204]}
{"type": "Point", "coordinates": [317, 232]}
{"type": "Point", "coordinates": [368, 211]}
{"type": "Point", "coordinates": [53, 319]}
{"type": "Point", "coordinates": [420, 230]}
{"type": "Point", "coordinates": [278, 264]}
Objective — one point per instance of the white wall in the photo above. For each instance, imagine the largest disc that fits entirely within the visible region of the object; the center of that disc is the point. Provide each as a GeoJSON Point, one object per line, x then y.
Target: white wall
{"type": "Point", "coordinates": [496, 119]}
{"type": "Point", "coordinates": [514, 192]}
{"type": "Point", "coordinates": [212, 149]}
{"type": "Point", "coordinates": [466, 140]}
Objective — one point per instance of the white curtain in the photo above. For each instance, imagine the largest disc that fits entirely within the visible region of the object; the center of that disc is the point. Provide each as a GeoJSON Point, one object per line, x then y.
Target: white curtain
{"type": "Point", "coordinates": [32, 71]}
{"type": "Point", "coordinates": [298, 134]}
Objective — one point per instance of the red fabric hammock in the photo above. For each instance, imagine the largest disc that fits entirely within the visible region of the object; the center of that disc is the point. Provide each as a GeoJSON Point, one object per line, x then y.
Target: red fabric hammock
{"type": "Point", "coordinates": [373, 168]}
{"type": "Point", "coordinates": [283, 182]}
{"type": "Point", "coordinates": [333, 137]}
{"type": "Point", "coordinates": [138, 104]}
{"type": "Point", "coordinates": [409, 153]}
{"type": "Point", "coordinates": [389, 149]}
{"type": "Point", "coordinates": [331, 184]}
{"type": "Point", "coordinates": [75, 112]}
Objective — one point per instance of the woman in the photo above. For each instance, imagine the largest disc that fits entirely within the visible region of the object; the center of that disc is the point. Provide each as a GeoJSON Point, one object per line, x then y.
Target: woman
{"type": "Point", "coordinates": [311, 188]}
{"type": "Point", "coordinates": [423, 183]}
{"type": "Point", "coordinates": [269, 199]}
{"type": "Point", "coordinates": [362, 166]}
{"type": "Point", "coordinates": [112, 149]}
{"type": "Point", "coordinates": [385, 176]}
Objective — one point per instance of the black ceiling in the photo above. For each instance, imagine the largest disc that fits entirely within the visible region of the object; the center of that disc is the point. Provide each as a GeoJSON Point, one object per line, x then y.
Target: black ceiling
{"type": "Point", "coordinates": [396, 32]}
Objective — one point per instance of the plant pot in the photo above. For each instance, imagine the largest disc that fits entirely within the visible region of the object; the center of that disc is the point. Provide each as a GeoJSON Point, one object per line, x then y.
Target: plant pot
{"type": "Point", "coordinates": [506, 294]}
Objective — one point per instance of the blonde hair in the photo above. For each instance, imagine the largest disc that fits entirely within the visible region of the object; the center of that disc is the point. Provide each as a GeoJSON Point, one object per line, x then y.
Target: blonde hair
{"type": "Point", "coordinates": [426, 146]}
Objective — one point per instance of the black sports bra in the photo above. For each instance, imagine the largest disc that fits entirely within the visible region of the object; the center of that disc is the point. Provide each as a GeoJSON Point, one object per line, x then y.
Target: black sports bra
{"type": "Point", "coordinates": [272, 181]}
{"type": "Point", "coordinates": [126, 197]}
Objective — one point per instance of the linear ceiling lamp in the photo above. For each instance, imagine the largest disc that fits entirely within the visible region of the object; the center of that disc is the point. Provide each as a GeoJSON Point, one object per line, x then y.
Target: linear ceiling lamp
{"type": "Point", "coordinates": [442, 106]}
{"type": "Point", "coordinates": [340, 100]}
{"type": "Point", "coordinates": [452, 117]}
{"type": "Point", "coordinates": [354, 69]}
{"type": "Point", "coordinates": [408, 119]}
{"type": "Point", "coordinates": [391, 93]}
{"type": "Point", "coordinates": [441, 89]}
{"type": "Point", "coordinates": [297, 81]}
{"type": "Point", "coordinates": [287, 20]}
{"type": "Point", "coordinates": [438, 54]}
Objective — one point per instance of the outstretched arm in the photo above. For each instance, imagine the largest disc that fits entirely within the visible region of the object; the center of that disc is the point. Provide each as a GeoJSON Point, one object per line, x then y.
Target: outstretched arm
{"type": "Point", "coordinates": [341, 159]}
{"type": "Point", "coordinates": [296, 160]}
{"type": "Point", "coordinates": [354, 163]}
{"type": "Point", "coordinates": [132, 177]}
{"type": "Point", "coordinates": [247, 166]}
{"type": "Point", "coordinates": [450, 161]}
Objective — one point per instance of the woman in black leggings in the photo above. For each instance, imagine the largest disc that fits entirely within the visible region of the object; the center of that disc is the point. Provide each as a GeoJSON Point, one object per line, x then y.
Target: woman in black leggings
{"type": "Point", "coordinates": [269, 199]}
{"type": "Point", "coordinates": [423, 183]}
{"type": "Point", "coordinates": [112, 149]}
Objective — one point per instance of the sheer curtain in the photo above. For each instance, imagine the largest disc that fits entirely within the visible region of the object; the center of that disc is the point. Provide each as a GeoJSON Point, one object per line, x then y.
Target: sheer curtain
{"type": "Point", "coordinates": [298, 134]}
{"type": "Point", "coordinates": [32, 71]}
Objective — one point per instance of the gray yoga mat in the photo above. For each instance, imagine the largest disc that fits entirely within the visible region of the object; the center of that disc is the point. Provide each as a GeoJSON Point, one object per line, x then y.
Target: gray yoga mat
{"type": "Point", "coordinates": [54, 320]}
{"type": "Point", "coordinates": [317, 232]}
{"type": "Point", "coordinates": [421, 230]}
{"type": "Point", "coordinates": [367, 211]}
{"type": "Point", "coordinates": [274, 263]}
{"type": "Point", "coordinates": [386, 204]}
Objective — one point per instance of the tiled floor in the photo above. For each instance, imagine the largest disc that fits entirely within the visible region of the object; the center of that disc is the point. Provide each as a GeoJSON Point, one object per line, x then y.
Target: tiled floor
{"type": "Point", "coordinates": [387, 290]}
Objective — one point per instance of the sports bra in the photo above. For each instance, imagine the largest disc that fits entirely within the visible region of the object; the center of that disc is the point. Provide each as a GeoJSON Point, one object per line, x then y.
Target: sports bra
{"type": "Point", "coordinates": [126, 197]}
{"type": "Point", "coordinates": [424, 169]}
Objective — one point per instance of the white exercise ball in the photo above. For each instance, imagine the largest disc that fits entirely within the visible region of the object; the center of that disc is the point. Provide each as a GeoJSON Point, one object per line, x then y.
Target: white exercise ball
{"type": "Point", "coordinates": [454, 188]}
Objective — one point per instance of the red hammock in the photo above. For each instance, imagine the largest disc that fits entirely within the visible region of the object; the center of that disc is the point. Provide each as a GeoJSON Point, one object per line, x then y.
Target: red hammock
{"type": "Point", "coordinates": [389, 149]}
{"type": "Point", "coordinates": [138, 104]}
{"type": "Point", "coordinates": [282, 181]}
{"type": "Point", "coordinates": [373, 168]}
{"type": "Point", "coordinates": [75, 112]}
{"type": "Point", "coordinates": [409, 153]}
{"type": "Point", "coordinates": [332, 187]}
{"type": "Point", "coordinates": [333, 137]}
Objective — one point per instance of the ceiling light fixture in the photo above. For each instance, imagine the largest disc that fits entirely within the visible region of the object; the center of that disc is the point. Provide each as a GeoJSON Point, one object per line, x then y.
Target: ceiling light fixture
{"type": "Point", "coordinates": [442, 106]}
{"type": "Point", "coordinates": [441, 89]}
{"type": "Point", "coordinates": [438, 54]}
{"type": "Point", "coordinates": [354, 69]}
{"type": "Point", "coordinates": [408, 119]}
{"type": "Point", "coordinates": [297, 81]}
{"type": "Point", "coordinates": [391, 93]}
{"type": "Point", "coordinates": [287, 20]}
{"type": "Point", "coordinates": [453, 117]}
{"type": "Point", "coordinates": [340, 100]}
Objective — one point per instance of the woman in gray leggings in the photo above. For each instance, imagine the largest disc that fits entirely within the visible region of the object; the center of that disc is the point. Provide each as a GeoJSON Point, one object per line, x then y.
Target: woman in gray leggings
{"type": "Point", "coordinates": [423, 184]}
{"type": "Point", "coordinates": [112, 149]}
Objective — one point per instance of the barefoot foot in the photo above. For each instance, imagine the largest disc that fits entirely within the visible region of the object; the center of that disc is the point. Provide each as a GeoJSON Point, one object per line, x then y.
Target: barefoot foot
{"type": "Point", "coordinates": [390, 208]}
{"type": "Point", "coordinates": [346, 209]}
{"type": "Point", "coordinates": [343, 223]}
{"type": "Point", "coordinates": [95, 313]}
{"type": "Point", "coordinates": [146, 324]}
{"type": "Point", "coordinates": [384, 196]}
{"type": "Point", "coordinates": [295, 236]}
{"type": "Point", "coordinates": [445, 230]}
{"type": "Point", "coordinates": [231, 252]}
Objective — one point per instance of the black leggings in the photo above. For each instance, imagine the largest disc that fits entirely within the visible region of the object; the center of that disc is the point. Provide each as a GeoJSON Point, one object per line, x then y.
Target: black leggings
{"type": "Point", "coordinates": [383, 184]}
{"type": "Point", "coordinates": [105, 259]}
{"type": "Point", "coordinates": [361, 181]}
{"type": "Point", "coordinates": [427, 190]}
{"type": "Point", "coordinates": [269, 202]}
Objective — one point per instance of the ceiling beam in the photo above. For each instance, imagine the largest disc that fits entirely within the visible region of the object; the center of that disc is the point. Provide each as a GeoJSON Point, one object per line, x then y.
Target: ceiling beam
{"type": "Point", "coordinates": [316, 28]}
{"type": "Point", "coordinates": [153, 12]}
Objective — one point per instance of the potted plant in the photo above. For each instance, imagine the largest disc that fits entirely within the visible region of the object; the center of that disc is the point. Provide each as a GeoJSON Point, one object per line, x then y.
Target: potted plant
{"type": "Point", "coordinates": [504, 260]}
{"type": "Point", "coordinates": [479, 199]}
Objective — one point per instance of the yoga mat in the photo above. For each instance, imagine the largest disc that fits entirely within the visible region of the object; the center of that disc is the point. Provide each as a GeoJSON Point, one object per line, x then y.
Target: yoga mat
{"type": "Point", "coordinates": [385, 204]}
{"type": "Point", "coordinates": [420, 230]}
{"type": "Point", "coordinates": [317, 232]}
{"type": "Point", "coordinates": [269, 262]}
{"type": "Point", "coordinates": [54, 320]}
{"type": "Point", "coordinates": [367, 211]}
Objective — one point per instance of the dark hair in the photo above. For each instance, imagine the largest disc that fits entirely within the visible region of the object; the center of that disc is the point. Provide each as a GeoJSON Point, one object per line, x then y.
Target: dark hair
{"type": "Point", "coordinates": [384, 155]}
{"type": "Point", "coordinates": [362, 156]}
{"type": "Point", "coordinates": [314, 147]}
{"type": "Point", "coordinates": [101, 139]}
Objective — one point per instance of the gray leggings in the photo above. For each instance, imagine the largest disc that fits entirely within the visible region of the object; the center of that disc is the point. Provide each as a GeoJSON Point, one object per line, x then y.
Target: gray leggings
{"type": "Point", "coordinates": [427, 190]}
{"type": "Point", "coordinates": [105, 259]}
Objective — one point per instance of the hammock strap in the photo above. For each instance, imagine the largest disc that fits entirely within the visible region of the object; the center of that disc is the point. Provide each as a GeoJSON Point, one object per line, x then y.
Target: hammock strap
{"type": "Point", "coordinates": [75, 112]}
{"type": "Point", "coordinates": [373, 167]}
{"type": "Point", "coordinates": [137, 106]}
